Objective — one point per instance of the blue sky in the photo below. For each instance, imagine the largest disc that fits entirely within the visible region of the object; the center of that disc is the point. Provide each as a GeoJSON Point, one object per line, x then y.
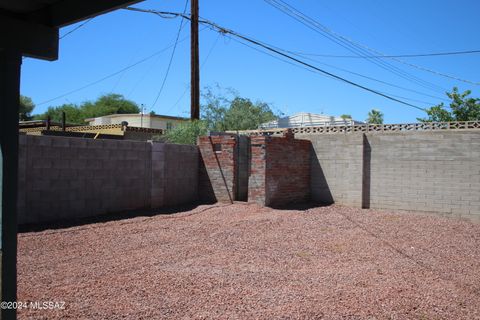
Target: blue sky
{"type": "Point", "coordinates": [115, 40]}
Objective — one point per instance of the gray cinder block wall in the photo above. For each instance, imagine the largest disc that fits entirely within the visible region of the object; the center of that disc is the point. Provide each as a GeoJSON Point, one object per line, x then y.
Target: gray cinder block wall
{"type": "Point", "coordinates": [434, 171]}
{"type": "Point", "coordinates": [181, 174]}
{"type": "Point", "coordinates": [431, 171]}
{"type": "Point", "coordinates": [336, 168]}
{"type": "Point", "coordinates": [63, 178]}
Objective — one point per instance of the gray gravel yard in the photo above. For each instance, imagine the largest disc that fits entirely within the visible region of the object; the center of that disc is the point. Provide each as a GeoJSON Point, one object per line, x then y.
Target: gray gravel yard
{"type": "Point", "coordinates": [243, 261]}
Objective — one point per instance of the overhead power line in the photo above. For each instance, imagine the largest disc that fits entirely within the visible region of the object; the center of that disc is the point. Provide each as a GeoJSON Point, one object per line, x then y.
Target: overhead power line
{"type": "Point", "coordinates": [433, 54]}
{"type": "Point", "coordinates": [70, 32]}
{"type": "Point", "coordinates": [326, 72]}
{"type": "Point", "coordinates": [371, 78]}
{"type": "Point", "coordinates": [313, 71]}
{"type": "Point", "coordinates": [355, 73]}
{"type": "Point", "coordinates": [75, 29]}
{"type": "Point", "coordinates": [171, 58]}
{"type": "Point", "coordinates": [222, 30]}
{"type": "Point", "coordinates": [149, 70]}
{"type": "Point", "coordinates": [436, 72]}
{"type": "Point", "coordinates": [201, 66]}
{"type": "Point", "coordinates": [284, 6]}
{"type": "Point", "coordinates": [278, 52]}
{"type": "Point", "coordinates": [110, 75]}
{"type": "Point", "coordinates": [352, 47]}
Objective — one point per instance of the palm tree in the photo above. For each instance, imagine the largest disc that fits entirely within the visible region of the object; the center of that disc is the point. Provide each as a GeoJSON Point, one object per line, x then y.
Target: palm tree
{"type": "Point", "coordinates": [375, 116]}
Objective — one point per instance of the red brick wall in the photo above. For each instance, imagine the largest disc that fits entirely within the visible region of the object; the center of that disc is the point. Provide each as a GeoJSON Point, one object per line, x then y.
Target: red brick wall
{"type": "Point", "coordinates": [257, 179]}
{"type": "Point", "coordinates": [280, 171]}
{"type": "Point", "coordinates": [218, 169]}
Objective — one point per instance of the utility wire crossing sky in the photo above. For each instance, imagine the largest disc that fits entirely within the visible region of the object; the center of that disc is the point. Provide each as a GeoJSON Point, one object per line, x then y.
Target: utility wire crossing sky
{"type": "Point", "coordinates": [309, 94]}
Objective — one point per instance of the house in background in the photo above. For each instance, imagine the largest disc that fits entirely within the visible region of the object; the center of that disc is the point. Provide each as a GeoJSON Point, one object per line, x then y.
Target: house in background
{"type": "Point", "coordinates": [304, 119]}
{"type": "Point", "coordinates": [105, 131]}
{"type": "Point", "coordinates": [116, 126]}
{"type": "Point", "coordinates": [138, 120]}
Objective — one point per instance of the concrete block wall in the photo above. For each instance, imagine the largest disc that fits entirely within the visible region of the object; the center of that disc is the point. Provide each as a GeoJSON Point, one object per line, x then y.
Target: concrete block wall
{"type": "Point", "coordinates": [280, 170]}
{"type": "Point", "coordinates": [157, 177]}
{"type": "Point", "coordinates": [174, 175]}
{"type": "Point", "coordinates": [435, 171]}
{"type": "Point", "coordinates": [218, 168]}
{"type": "Point", "coordinates": [181, 174]}
{"type": "Point", "coordinates": [336, 168]}
{"type": "Point", "coordinates": [64, 178]}
{"type": "Point", "coordinates": [426, 171]}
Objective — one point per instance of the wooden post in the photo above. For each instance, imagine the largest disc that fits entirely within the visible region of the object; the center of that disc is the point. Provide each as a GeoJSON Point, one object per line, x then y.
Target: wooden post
{"type": "Point", "coordinates": [195, 69]}
{"type": "Point", "coordinates": [64, 121]}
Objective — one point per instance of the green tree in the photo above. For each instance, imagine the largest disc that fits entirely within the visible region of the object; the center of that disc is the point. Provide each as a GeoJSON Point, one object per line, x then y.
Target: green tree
{"type": "Point", "coordinates": [461, 108]}
{"type": "Point", "coordinates": [104, 105]}
{"type": "Point", "coordinates": [26, 108]}
{"type": "Point", "coordinates": [186, 133]}
{"type": "Point", "coordinates": [73, 114]}
{"type": "Point", "coordinates": [222, 113]}
{"type": "Point", "coordinates": [245, 115]}
{"type": "Point", "coordinates": [215, 108]}
{"type": "Point", "coordinates": [346, 117]}
{"type": "Point", "coordinates": [437, 113]}
{"type": "Point", "coordinates": [108, 104]}
{"type": "Point", "coordinates": [223, 109]}
{"type": "Point", "coordinates": [375, 116]}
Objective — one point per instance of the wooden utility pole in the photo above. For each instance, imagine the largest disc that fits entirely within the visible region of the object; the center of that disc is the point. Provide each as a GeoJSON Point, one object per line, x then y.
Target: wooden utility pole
{"type": "Point", "coordinates": [195, 68]}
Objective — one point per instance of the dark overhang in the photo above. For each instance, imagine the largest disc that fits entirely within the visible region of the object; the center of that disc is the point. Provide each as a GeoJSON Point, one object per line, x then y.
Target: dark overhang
{"type": "Point", "coordinates": [31, 26]}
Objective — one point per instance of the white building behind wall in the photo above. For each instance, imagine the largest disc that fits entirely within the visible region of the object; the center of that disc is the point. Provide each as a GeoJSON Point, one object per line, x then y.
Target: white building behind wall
{"type": "Point", "coordinates": [304, 119]}
{"type": "Point", "coordinates": [138, 120]}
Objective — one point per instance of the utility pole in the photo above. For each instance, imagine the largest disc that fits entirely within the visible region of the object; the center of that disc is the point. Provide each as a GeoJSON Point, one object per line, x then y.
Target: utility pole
{"type": "Point", "coordinates": [194, 66]}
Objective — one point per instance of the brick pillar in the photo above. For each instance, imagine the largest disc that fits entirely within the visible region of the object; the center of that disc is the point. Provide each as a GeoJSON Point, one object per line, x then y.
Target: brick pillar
{"type": "Point", "coordinates": [218, 168]}
{"type": "Point", "coordinates": [280, 170]}
{"type": "Point", "coordinates": [257, 180]}
{"type": "Point", "coordinates": [289, 135]}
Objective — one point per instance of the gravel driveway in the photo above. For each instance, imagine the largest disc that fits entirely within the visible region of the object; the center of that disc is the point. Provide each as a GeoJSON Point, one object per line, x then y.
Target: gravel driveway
{"type": "Point", "coordinates": [243, 261]}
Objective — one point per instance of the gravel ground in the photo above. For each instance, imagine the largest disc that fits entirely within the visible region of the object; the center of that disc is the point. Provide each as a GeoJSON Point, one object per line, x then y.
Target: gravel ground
{"type": "Point", "coordinates": [243, 261]}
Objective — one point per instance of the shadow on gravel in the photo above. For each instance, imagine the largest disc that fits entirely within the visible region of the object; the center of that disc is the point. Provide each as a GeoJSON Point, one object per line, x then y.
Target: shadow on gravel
{"type": "Point", "coordinates": [106, 218]}
{"type": "Point", "coordinates": [300, 206]}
